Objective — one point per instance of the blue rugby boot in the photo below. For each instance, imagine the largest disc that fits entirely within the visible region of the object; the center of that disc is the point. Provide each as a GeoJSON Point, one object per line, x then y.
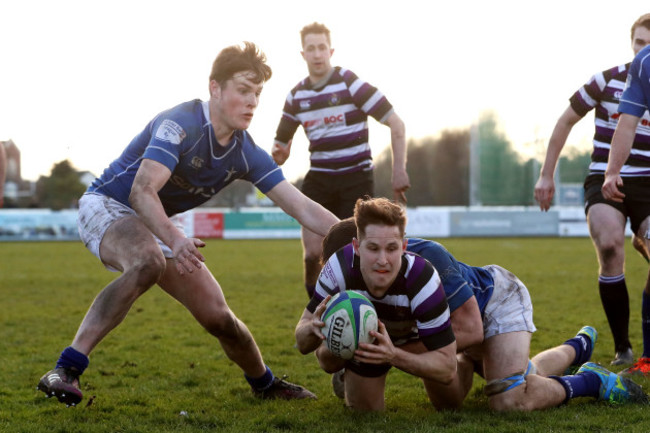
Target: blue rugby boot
{"type": "Point", "coordinates": [615, 389]}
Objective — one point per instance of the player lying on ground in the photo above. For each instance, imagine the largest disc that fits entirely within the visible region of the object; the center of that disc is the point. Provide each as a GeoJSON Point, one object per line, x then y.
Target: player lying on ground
{"type": "Point", "coordinates": [491, 316]}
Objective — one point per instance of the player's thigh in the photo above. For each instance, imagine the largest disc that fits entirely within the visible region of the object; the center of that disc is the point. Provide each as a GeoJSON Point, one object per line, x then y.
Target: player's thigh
{"type": "Point", "coordinates": [357, 185]}
{"type": "Point", "coordinates": [505, 355]}
{"type": "Point", "coordinates": [364, 393]}
{"type": "Point", "coordinates": [128, 242]}
{"type": "Point", "coordinates": [606, 226]}
{"type": "Point", "coordinates": [198, 291]}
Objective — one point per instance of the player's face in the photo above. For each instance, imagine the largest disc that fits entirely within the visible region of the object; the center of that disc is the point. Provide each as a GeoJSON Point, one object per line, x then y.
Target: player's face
{"type": "Point", "coordinates": [641, 39]}
{"type": "Point", "coordinates": [380, 255]}
{"type": "Point", "coordinates": [317, 54]}
{"type": "Point", "coordinates": [235, 102]}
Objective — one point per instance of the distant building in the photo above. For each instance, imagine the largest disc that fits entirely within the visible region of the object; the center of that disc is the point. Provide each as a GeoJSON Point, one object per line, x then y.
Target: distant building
{"type": "Point", "coordinates": [18, 192]}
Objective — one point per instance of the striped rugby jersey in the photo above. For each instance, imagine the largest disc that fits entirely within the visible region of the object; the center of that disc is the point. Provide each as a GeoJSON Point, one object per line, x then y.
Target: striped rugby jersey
{"type": "Point", "coordinates": [603, 92]}
{"type": "Point", "coordinates": [415, 306]}
{"type": "Point", "coordinates": [335, 120]}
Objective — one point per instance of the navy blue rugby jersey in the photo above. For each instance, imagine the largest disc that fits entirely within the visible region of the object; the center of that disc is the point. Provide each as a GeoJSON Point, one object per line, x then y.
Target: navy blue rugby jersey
{"type": "Point", "coordinates": [182, 139]}
{"type": "Point", "coordinates": [460, 281]}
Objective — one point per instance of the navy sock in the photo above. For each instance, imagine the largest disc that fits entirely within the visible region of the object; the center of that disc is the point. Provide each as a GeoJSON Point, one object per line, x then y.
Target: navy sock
{"type": "Point", "coordinates": [263, 382]}
{"type": "Point", "coordinates": [582, 345]}
{"type": "Point", "coordinates": [310, 288]}
{"type": "Point", "coordinates": [71, 358]}
{"type": "Point", "coordinates": [616, 303]}
{"type": "Point", "coordinates": [645, 324]}
{"type": "Point", "coordinates": [585, 384]}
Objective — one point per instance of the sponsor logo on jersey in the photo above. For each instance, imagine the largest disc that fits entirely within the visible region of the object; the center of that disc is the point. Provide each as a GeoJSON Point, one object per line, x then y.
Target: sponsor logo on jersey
{"type": "Point", "coordinates": [192, 189]}
{"type": "Point", "coordinates": [305, 104]}
{"type": "Point", "coordinates": [618, 94]}
{"type": "Point", "coordinates": [170, 131]}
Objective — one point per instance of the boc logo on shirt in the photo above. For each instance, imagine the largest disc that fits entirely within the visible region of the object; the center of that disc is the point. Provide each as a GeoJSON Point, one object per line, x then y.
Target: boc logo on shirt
{"type": "Point", "coordinates": [170, 131]}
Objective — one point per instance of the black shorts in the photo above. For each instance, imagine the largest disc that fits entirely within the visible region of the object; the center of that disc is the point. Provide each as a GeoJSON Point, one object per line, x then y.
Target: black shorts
{"type": "Point", "coordinates": [338, 193]}
{"type": "Point", "coordinates": [635, 206]}
{"type": "Point", "coordinates": [367, 370]}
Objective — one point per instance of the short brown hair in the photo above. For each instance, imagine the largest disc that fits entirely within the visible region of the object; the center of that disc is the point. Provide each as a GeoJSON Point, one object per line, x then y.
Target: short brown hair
{"type": "Point", "coordinates": [235, 59]}
{"type": "Point", "coordinates": [643, 20]}
{"type": "Point", "coordinates": [379, 211]}
{"type": "Point", "coordinates": [317, 29]}
{"type": "Point", "coordinates": [338, 236]}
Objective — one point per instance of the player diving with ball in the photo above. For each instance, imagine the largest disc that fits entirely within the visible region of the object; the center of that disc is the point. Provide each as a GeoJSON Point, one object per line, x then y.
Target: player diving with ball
{"type": "Point", "coordinates": [414, 331]}
{"type": "Point", "coordinates": [491, 317]}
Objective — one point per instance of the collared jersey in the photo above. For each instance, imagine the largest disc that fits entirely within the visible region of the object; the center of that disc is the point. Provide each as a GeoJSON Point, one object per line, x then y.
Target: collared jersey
{"type": "Point", "coordinates": [460, 281]}
{"type": "Point", "coordinates": [182, 139]}
{"type": "Point", "coordinates": [604, 92]}
{"type": "Point", "coordinates": [335, 120]}
{"type": "Point", "coordinates": [413, 307]}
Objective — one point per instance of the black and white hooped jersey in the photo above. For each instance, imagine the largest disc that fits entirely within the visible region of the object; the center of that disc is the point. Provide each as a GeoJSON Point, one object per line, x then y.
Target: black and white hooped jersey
{"type": "Point", "coordinates": [414, 306]}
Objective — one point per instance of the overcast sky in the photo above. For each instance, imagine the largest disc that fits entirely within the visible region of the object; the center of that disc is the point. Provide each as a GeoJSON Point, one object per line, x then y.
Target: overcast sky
{"type": "Point", "coordinates": [79, 79]}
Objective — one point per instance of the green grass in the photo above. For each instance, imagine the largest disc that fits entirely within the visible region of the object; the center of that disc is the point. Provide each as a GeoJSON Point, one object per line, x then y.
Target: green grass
{"type": "Point", "coordinates": [160, 362]}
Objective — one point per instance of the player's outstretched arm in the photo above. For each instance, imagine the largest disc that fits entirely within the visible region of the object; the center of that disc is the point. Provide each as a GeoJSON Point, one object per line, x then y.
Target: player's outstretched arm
{"type": "Point", "coordinates": [400, 178]}
{"type": "Point", "coordinates": [618, 154]}
{"type": "Point", "coordinates": [149, 179]}
{"type": "Point", "coordinates": [308, 213]}
{"type": "Point", "coordinates": [545, 186]}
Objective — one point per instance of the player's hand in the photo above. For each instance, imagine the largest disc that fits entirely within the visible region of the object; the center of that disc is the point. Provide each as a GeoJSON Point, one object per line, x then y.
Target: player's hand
{"type": "Point", "coordinates": [281, 153]}
{"type": "Point", "coordinates": [401, 184]}
{"type": "Point", "coordinates": [610, 188]}
{"type": "Point", "coordinates": [544, 192]}
{"type": "Point", "coordinates": [317, 324]}
{"type": "Point", "coordinates": [382, 351]}
{"type": "Point", "coordinates": [187, 255]}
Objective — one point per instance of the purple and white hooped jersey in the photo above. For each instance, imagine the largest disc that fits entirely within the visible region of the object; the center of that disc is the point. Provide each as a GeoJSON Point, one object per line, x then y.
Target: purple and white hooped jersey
{"type": "Point", "coordinates": [182, 139]}
{"type": "Point", "coordinates": [335, 120]}
{"type": "Point", "coordinates": [604, 92]}
{"type": "Point", "coordinates": [414, 307]}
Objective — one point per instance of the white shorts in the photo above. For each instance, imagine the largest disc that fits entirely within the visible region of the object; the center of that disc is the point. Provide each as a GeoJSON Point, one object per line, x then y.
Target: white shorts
{"type": "Point", "coordinates": [96, 214]}
{"type": "Point", "coordinates": [510, 308]}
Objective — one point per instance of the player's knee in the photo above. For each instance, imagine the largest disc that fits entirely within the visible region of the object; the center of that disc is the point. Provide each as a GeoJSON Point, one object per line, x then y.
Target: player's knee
{"type": "Point", "coordinates": [610, 251]}
{"type": "Point", "coordinates": [223, 325]}
{"type": "Point", "coordinates": [507, 394]}
{"type": "Point", "coordinates": [147, 269]}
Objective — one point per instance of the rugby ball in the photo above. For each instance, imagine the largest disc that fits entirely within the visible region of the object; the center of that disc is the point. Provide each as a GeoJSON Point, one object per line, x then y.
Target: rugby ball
{"type": "Point", "coordinates": [349, 317]}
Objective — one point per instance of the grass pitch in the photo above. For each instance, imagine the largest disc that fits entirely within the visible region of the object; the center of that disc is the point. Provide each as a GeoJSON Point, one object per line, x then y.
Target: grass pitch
{"type": "Point", "coordinates": [160, 371]}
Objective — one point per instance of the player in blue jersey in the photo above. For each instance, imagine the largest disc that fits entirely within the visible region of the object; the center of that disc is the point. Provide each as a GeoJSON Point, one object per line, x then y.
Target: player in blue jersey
{"type": "Point", "coordinates": [127, 219]}
{"type": "Point", "coordinates": [606, 218]}
{"type": "Point", "coordinates": [414, 333]}
{"type": "Point", "coordinates": [491, 316]}
{"type": "Point", "coordinates": [333, 105]}
{"type": "Point", "coordinates": [632, 193]}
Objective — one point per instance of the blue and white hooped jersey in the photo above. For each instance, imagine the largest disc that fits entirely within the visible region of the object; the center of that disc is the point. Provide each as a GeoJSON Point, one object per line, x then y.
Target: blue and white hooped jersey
{"type": "Point", "coordinates": [414, 307]}
{"type": "Point", "coordinates": [182, 139]}
{"type": "Point", "coordinates": [460, 281]}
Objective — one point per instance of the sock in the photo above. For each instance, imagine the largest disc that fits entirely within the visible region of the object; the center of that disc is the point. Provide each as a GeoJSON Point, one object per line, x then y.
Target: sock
{"type": "Point", "coordinates": [645, 324]}
{"type": "Point", "coordinates": [71, 358]}
{"type": "Point", "coordinates": [585, 384]}
{"type": "Point", "coordinates": [616, 303]}
{"type": "Point", "coordinates": [310, 288]}
{"type": "Point", "coordinates": [263, 382]}
{"type": "Point", "coordinates": [582, 345]}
